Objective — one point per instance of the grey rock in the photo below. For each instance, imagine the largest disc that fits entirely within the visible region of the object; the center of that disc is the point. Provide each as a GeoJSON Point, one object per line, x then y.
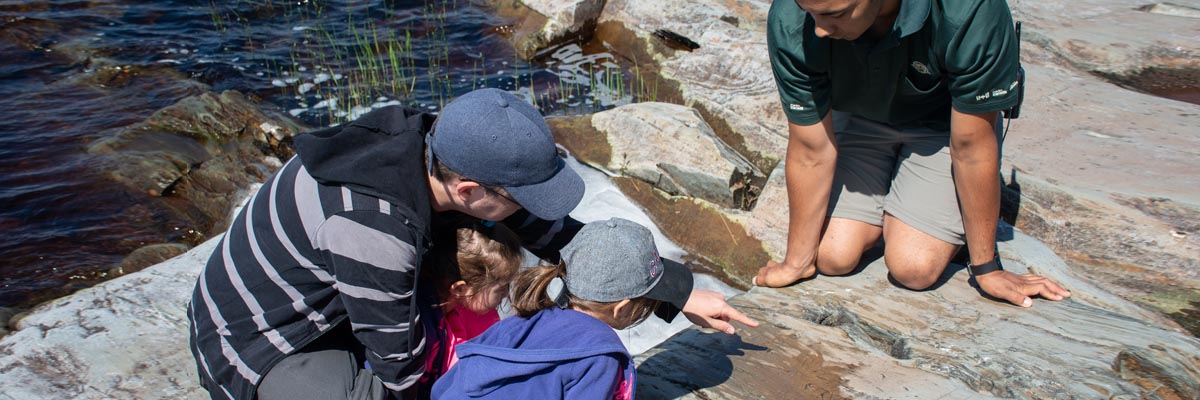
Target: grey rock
{"type": "Point", "coordinates": [204, 149]}
{"type": "Point", "coordinates": [155, 154]}
{"type": "Point", "coordinates": [862, 337]}
{"type": "Point", "coordinates": [542, 24]}
{"type": "Point", "coordinates": [728, 78]}
{"type": "Point", "coordinates": [149, 255]}
{"type": "Point", "coordinates": [1170, 9]}
{"type": "Point", "coordinates": [672, 148]}
{"type": "Point", "coordinates": [125, 338]}
{"type": "Point", "coordinates": [6, 314]}
{"type": "Point", "coordinates": [1112, 36]}
{"type": "Point", "coordinates": [769, 219]}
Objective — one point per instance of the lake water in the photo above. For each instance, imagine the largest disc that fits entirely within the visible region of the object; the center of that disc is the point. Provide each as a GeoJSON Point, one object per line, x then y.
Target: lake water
{"type": "Point", "coordinates": [74, 72]}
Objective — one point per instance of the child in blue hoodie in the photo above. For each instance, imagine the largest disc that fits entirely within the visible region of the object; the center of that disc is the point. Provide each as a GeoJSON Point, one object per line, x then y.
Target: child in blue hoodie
{"type": "Point", "coordinates": [561, 344]}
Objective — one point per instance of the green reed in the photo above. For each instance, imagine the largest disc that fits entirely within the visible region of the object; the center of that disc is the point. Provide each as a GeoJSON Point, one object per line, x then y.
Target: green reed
{"type": "Point", "coordinates": [364, 64]}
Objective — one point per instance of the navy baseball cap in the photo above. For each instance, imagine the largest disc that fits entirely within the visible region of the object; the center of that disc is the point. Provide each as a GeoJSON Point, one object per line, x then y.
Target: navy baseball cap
{"type": "Point", "coordinates": [492, 137]}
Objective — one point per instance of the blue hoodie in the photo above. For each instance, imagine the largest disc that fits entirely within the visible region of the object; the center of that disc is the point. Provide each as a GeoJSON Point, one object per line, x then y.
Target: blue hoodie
{"type": "Point", "coordinates": [555, 354]}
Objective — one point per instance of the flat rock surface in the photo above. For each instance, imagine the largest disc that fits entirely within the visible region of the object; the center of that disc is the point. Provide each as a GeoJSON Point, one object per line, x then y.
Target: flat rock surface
{"type": "Point", "coordinates": [1115, 36]}
{"type": "Point", "coordinates": [125, 338]}
{"type": "Point", "coordinates": [862, 337]}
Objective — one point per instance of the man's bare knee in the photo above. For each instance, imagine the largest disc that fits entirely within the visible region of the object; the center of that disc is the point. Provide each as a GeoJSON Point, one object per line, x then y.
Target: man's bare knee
{"type": "Point", "coordinates": [836, 267]}
{"type": "Point", "coordinates": [915, 259]}
{"type": "Point", "coordinates": [835, 261]}
{"type": "Point", "coordinates": [914, 274]}
{"type": "Point", "coordinates": [843, 244]}
{"type": "Point", "coordinates": [915, 281]}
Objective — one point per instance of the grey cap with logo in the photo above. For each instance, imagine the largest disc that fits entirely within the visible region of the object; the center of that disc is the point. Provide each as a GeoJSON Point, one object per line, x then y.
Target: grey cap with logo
{"type": "Point", "coordinates": [616, 259]}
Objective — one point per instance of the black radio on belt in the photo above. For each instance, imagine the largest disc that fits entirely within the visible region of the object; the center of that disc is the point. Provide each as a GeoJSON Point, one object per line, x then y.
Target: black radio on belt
{"type": "Point", "coordinates": [1015, 111]}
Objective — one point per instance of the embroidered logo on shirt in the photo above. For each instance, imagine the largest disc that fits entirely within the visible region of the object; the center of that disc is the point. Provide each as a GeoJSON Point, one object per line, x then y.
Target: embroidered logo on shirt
{"type": "Point", "coordinates": [796, 107]}
{"type": "Point", "coordinates": [924, 70]}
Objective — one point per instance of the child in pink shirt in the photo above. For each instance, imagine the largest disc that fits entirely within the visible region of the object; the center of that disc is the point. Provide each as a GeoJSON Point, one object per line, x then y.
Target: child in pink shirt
{"type": "Point", "coordinates": [463, 280]}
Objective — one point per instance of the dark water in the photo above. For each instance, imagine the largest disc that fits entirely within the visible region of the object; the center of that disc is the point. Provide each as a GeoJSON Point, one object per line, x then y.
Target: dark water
{"type": "Point", "coordinates": [73, 72]}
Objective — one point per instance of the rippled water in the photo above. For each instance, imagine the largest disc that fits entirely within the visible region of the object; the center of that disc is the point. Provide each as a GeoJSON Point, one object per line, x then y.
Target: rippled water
{"type": "Point", "coordinates": [77, 71]}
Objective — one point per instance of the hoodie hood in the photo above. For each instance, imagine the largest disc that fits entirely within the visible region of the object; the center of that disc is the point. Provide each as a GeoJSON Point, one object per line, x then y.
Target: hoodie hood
{"type": "Point", "coordinates": [379, 154]}
{"type": "Point", "coordinates": [540, 353]}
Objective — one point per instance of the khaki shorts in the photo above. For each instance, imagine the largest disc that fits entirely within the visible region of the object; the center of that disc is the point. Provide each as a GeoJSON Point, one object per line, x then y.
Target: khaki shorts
{"type": "Point", "coordinates": [903, 172]}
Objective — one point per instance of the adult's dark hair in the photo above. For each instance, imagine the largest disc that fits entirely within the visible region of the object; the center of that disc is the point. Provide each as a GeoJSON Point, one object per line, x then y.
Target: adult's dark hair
{"type": "Point", "coordinates": [444, 173]}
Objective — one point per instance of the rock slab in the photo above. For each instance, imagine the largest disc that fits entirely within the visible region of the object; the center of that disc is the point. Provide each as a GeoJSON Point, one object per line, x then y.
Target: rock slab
{"type": "Point", "coordinates": [671, 147]}
{"type": "Point", "coordinates": [863, 337]}
{"type": "Point", "coordinates": [125, 338]}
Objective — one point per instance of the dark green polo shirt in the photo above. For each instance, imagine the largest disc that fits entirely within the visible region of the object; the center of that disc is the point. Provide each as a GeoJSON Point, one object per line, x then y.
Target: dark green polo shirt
{"type": "Point", "coordinates": [940, 53]}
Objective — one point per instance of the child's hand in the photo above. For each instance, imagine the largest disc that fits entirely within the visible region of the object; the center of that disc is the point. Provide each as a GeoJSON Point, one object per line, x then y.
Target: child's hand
{"type": "Point", "coordinates": [708, 309]}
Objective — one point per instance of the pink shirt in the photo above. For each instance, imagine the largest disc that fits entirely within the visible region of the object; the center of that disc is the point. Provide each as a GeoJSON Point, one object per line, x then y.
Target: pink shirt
{"type": "Point", "coordinates": [458, 325]}
{"type": "Point", "coordinates": [624, 386]}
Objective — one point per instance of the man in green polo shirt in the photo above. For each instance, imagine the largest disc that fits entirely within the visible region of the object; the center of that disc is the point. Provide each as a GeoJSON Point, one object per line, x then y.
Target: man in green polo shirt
{"type": "Point", "coordinates": [893, 116]}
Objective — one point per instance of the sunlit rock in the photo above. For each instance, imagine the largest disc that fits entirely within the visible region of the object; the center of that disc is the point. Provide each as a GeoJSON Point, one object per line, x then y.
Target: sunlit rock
{"type": "Point", "coordinates": [122, 338]}
{"type": "Point", "coordinates": [542, 24]}
{"type": "Point", "coordinates": [670, 147]}
{"type": "Point", "coordinates": [862, 337]}
{"type": "Point", "coordinates": [205, 149]}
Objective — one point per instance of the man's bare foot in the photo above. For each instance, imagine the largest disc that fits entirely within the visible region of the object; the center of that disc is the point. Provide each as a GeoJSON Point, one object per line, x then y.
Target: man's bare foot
{"type": "Point", "coordinates": [780, 275]}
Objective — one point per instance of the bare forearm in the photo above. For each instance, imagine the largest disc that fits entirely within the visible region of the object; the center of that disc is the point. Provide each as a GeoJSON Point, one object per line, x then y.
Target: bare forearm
{"type": "Point", "coordinates": [809, 167]}
{"type": "Point", "coordinates": [976, 163]}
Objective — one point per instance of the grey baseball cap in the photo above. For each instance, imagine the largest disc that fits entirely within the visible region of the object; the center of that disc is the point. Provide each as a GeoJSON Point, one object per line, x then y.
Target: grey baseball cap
{"type": "Point", "coordinates": [493, 137]}
{"type": "Point", "coordinates": [616, 259]}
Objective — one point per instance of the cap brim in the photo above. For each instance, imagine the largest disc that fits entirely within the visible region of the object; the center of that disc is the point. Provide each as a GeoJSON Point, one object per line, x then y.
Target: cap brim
{"type": "Point", "coordinates": [553, 198]}
{"type": "Point", "coordinates": [675, 285]}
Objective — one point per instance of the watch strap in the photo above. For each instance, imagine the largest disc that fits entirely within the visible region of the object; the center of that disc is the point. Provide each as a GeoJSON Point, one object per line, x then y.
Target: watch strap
{"type": "Point", "coordinates": [987, 267]}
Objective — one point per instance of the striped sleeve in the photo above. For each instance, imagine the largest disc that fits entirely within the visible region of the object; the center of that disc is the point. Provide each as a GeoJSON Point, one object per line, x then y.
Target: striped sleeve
{"type": "Point", "coordinates": [373, 259]}
{"type": "Point", "coordinates": [543, 238]}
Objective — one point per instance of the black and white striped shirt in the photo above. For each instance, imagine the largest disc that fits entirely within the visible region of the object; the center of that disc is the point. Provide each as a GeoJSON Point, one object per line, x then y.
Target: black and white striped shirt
{"type": "Point", "coordinates": [302, 257]}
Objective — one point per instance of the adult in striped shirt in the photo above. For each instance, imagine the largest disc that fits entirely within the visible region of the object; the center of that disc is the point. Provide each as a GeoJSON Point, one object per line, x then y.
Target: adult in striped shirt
{"type": "Point", "coordinates": [317, 274]}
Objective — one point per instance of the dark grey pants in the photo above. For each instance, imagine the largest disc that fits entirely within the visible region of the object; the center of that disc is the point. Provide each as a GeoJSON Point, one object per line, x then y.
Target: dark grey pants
{"type": "Point", "coordinates": [329, 368]}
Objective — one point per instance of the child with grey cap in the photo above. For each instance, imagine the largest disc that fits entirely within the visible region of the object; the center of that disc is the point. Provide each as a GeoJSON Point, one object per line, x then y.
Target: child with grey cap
{"type": "Point", "coordinates": [562, 344]}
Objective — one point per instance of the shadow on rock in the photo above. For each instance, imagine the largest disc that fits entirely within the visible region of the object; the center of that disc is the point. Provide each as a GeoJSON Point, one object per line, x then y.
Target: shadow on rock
{"type": "Point", "coordinates": [666, 366]}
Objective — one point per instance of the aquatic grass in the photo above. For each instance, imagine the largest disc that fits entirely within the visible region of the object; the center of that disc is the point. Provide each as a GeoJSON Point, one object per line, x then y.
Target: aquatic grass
{"type": "Point", "coordinates": [380, 66]}
{"type": "Point", "coordinates": [643, 92]}
{"type": "Point", "coordinates": [218, 18]}
{"type": "Point", "coordinates": [413, 63]}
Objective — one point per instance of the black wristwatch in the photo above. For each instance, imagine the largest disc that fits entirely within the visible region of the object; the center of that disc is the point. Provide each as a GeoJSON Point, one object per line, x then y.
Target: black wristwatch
{"type": "Point", "coordinates": [987, 267]}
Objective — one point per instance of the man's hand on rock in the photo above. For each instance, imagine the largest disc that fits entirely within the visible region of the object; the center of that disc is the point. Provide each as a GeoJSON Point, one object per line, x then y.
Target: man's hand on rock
{"type": "Point", "coordinates": [708, 309]}
{"type": "Point", "coordinates": [1016, 289]}
{"type": "Point", "coordinates": [777, 274]}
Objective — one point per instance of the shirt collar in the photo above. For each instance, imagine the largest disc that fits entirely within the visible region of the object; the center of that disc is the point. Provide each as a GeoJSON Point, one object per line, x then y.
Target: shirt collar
{"type": "Point", "coordinates": [912, 16]}
{"type": "Point", "coordinates": [910, 19]}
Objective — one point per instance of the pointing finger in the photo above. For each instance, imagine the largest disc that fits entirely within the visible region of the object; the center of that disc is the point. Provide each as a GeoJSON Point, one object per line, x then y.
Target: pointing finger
{"type": "Point", "coordinates": [735, 315]}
